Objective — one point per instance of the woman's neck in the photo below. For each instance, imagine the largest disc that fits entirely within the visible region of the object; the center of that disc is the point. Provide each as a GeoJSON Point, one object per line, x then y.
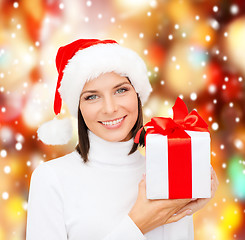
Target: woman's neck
{"type": "Point", "coordinates": [116, 154]}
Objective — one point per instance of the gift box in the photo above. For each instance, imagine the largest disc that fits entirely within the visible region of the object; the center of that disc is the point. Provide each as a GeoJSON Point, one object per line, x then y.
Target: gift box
{"type": "Point", "coordinates": [177, 155]}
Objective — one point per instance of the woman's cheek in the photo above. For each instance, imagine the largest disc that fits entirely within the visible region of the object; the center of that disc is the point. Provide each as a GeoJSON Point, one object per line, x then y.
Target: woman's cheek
{"type": "Point", "coordinates": [89, 111]}
{"type": "Point", "coordinates": [85, 110]}
{"type": "Point", "coordinates": [132, 103]}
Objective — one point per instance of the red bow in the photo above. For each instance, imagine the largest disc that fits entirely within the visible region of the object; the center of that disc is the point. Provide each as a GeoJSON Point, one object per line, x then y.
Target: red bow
{"type": "Point", "coordinates": [182, 120]}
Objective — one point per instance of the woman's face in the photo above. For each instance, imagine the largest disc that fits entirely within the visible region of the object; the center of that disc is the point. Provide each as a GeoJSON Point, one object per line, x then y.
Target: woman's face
{"type": "Point", "coordinates": [109, 106]}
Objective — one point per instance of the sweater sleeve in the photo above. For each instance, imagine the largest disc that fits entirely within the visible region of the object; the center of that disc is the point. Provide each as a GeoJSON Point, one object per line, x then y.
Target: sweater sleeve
{"type": "Point", "coordinates": [180, 230]}
{"type": "Point", "coordinates": [127, 229]}
{"type": "Point", "coordinates": [45, 207]}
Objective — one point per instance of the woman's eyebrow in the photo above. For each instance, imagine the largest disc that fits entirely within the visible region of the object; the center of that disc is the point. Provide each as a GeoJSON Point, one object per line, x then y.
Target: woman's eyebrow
{"type": "Point", "coordinates": [120, 84]}
{"type": "Point", "coordinates": [94, 91]}
{"type": "Point", "coordinates": [89, 91]}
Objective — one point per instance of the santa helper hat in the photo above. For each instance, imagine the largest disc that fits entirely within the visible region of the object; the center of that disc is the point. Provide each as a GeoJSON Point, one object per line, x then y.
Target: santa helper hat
{"type": "Point", "coordinates": [81, 61]}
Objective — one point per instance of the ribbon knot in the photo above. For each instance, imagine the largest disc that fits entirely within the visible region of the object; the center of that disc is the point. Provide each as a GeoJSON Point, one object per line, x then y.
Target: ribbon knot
{"type": "Point", "coordinates": [182, 120]}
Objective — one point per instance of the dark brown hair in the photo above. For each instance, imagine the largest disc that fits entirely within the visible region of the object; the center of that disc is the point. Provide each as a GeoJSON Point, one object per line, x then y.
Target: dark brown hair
{"type": "Point", "coordinates": [83, 140]}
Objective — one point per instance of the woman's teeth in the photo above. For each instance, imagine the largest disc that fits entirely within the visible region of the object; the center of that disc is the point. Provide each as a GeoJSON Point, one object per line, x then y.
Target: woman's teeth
{"type": "Point", "coordinates": [113, 122]}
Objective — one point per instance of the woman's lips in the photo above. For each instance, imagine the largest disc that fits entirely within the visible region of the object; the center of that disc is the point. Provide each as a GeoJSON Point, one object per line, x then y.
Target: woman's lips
{"type": "Point", "coordinates": [113, 123]}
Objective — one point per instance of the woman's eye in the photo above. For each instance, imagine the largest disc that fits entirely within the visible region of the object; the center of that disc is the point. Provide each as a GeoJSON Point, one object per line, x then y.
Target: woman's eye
{"type": "Point", "coordinates": [91, 97]}
{"type": "Point", "coordinates": [121, 90]}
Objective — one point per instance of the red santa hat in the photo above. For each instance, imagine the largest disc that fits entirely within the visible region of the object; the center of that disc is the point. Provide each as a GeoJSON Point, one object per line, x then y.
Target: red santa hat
{"type": "Point", "coordinates": [81, 61]}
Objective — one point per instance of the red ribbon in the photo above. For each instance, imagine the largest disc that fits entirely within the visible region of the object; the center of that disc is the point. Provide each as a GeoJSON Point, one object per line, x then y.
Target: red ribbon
{"type": "Point", "coordinates": [179, 146]}
{"type": "Point", "coordinates": [181, 120]}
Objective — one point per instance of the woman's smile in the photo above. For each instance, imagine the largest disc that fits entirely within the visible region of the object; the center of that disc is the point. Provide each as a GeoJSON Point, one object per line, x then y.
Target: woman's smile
{"type": "Point", "coordinates": [113, 123]}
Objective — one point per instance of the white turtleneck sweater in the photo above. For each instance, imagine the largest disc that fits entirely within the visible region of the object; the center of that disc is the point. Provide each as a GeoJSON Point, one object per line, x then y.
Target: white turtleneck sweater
{"type": "Point", "coordinates": [69, 199]}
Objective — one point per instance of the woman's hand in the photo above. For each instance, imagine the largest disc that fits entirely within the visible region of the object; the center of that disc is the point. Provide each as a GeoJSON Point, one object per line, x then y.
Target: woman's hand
{"type": "Point", "coordinates": [201, 202]}
{"type": "Point", "coordinates": [149, 214]}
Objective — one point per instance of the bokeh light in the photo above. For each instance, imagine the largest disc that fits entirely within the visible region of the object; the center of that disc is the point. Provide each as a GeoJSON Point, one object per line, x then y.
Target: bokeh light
{"type": "Point", "coordinates": [184, 68]}
{"type": "Point", "coordinates": [234, 43]}
{"type": "Point", "coordinates": [236, 172]}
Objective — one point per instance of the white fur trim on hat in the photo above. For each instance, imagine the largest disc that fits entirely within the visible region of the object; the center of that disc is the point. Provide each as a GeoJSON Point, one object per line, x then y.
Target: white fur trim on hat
{"type": "Point", "coordinates": [90, 62]}
{"type": "Point", "coordinates": [55, 132]}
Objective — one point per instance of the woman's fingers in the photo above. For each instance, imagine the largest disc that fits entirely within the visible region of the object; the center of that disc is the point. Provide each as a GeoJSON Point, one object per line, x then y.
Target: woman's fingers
{"type": "Point", "coordinates": [195, 205]}
{"type": "Point", "coordinates": [142, 187]}
{"type": "Point", "coordinates": [148, 214]}
{"type": "Point", "coordinates": [177, 217]}
{"type": "Point", "coordinates": [214, 176]}
{"type": "Point", "coordinates": [214, 182]}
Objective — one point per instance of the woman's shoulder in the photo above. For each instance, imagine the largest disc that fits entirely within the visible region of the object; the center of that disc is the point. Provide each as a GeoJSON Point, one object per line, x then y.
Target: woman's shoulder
{"type": "Point", "coordinates": [70, 159]}
{"type": "Point", "coordinates": [59, 166]}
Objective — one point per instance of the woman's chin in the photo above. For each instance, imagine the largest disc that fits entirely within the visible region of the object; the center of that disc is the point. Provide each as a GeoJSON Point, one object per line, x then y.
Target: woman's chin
{"type": "Point", "coordinates": [116, 137]}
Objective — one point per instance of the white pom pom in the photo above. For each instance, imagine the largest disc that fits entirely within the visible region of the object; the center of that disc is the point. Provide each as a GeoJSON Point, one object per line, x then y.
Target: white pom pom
{"type": "Point", "coordinates": [55, 132]}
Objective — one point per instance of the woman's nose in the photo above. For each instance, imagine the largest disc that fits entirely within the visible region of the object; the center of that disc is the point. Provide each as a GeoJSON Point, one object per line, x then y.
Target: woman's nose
{"type": "Point", "coordinates": [110, 105]}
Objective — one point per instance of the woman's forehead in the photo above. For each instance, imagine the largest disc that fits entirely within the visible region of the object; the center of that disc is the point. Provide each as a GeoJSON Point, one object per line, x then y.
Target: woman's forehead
{"type": "Point", "coordinates": [106, 80]}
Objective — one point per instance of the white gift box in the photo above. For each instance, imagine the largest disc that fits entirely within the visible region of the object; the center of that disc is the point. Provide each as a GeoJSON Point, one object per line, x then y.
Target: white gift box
{"type": "Point", "coordinates": [157, 166]}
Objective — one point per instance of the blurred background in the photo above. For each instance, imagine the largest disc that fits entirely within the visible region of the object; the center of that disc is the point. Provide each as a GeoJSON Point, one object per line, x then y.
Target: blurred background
{"type": "Point", "coordinates": [193, 49]}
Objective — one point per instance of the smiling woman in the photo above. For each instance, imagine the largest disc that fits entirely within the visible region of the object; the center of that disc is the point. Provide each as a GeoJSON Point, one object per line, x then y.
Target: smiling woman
{"type": "Point", "coordinates": [109, 107]}
{"type": "Point", "coordinates": [97, 192]}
